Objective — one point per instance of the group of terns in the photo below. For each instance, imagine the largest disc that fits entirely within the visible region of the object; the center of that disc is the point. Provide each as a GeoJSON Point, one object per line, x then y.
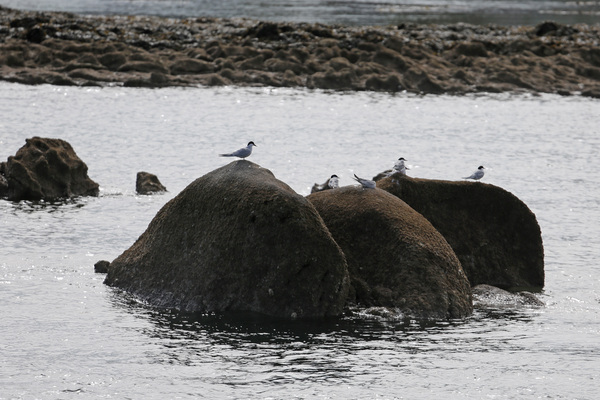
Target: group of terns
{"type": "Point", "coordinates": [333, 182]}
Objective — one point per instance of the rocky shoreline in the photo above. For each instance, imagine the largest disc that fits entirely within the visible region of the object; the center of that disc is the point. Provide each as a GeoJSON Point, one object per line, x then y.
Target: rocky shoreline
{"type": "Point", "coordinates": [136, 51]}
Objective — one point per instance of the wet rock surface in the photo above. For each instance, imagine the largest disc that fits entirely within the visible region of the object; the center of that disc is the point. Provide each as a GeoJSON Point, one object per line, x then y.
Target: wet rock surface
{"type": "Point", "coordinates": [494, 234]}
{"type": "Point", "coordinates": [101, 267]}
{"type": "Point", "coordinates": [237, 239]}
{"type": "Point", "coordinates": [147, 183]}
{"type": "Point", "coordinates": [45, 169]}
{"type": "Point", "coordinates": [68, 49]}
{"type": "Point", "coordinates": [395, 257]}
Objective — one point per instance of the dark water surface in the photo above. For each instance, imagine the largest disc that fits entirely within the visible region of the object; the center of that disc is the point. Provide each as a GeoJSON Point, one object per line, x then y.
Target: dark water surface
{"type": "Point", "coordinates": [350, 12]}
{"type": "Point", "coordinates": [64, 335]}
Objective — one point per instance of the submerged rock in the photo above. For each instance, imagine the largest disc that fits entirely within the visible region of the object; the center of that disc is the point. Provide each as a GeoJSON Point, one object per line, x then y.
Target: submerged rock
{"type": "Point", "coordinates": [147, 183]}
{"type": "Point", "coordinates": [491, 296]}
{"type": "Point", "coordinates": [47, 169]}
{"type": "Point", "coordinates": [494, 234]}
{"type": "Point", "coordinates": [395, 257]}
{"type": "Point", "coordinates": [237, 239]}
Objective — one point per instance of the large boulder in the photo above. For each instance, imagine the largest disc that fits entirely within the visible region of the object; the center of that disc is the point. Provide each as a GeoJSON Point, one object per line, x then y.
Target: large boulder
{"type": "Point", "coordinates": [237, 239]}
{"type": "Point", "coordinates": [147, 183]}
{"type": "Point", "coordinates": [47, 169]}
{"type": "Point", "coordinates": [395, 257]}
{"type": "Point", "coordinates": [494, 234]}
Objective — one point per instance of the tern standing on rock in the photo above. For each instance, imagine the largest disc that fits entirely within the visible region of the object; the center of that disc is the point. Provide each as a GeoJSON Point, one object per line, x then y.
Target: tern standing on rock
{"type": "Point", "coordinates": [365, 183]}
{"type": "Point", "coordinates": [477, 175]}
{"type": "Point", "coordinates": [241, 153]}
{"type": "Point", "coordinates": [333, 182]}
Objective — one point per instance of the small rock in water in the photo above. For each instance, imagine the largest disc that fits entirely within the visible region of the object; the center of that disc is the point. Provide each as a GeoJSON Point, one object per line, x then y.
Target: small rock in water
{"type": "Point", "coordinates": [101, 267]}
{"type": "Point", "coordinates": [147, 183]}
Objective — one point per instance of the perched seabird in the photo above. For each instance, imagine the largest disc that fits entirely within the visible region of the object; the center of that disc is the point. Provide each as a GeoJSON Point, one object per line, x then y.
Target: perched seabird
{"type": "Point", "coordinates": [241, 153]}
{"type": "Point", "coordinates": [365, 183]}
{"type": "Point", "coordinates": [333, 182]}
{"type": "Point", "coordinates": [330, 183]}
{"type": "Point", "coordinates": [477, 174]}
{"type": "Point", "coordinates": [400, 167]}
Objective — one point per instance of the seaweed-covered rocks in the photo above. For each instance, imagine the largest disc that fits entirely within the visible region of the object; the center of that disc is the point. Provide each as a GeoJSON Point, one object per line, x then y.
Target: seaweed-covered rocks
{"type": "Point", "coordinates": [237, 239]}
{"type": "Point", "coordinates": [46, 169]}
{"type": "Point", "coordinates": [395, 256]}
{"type": "Point", "coordinates": [141, 51]}
{"type": "Point", "coordinates": [494, 234]}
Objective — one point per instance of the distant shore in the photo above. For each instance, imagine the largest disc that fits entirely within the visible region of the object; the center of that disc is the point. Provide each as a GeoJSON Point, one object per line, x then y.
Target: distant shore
{"type": "Point", "coordinates": [69, 49]}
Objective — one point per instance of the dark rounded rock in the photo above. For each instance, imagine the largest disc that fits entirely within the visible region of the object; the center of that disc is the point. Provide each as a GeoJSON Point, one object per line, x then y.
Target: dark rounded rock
{"type": "Point", "coordinates": [113, 60]}
{"type": "Point", "coordinates": [252, 63]}
{"type": "Point", "coordinates": [590, 72]}
{"type": "Point", "coordinates": [265, 30]}
{"type": "Point", "coordinates": [494, 234]}
{"type": "Point", "coordinates": [395, 256]}
{"type": "Point", "coordinates": [101, 267]}
{"type": "Point", "coordinates": [554, 28]}
{"type": "Point", "coordinates": [390, 83]}
{"type": "Point", "coordinates": [277, 65]}
{"type": "Point", "coordinates": [339, 63]}
{"type": "Point", "coordinates": [390, 59]}
{"type": "Point", "coordinates": [290, 79]}
{"type": "Point", "coordinates": [419, 80]}
{"type": "Point", "coordinates": [36, 35]}
{"type": "Point", "coordinates": [190, 66]}
{"type": "Point", "coordinates": [47, 169]}
{"type": "Point", "coordinates": [593, 93]}
{"type": "Point", "coordinates": [43, 57]}
{"type": "Point", "coordinates": [237, 239]}
{"type": "Point", "coordinates": [589, 54]}
{"type": "Point", "coordinates": [147, 183]}
{"type": "Point", "coordinates": [338, 80]}
{"type": "Point", "coordinates": [159, 79]}
{"type": "Point", "coordinates": [138, 82]}
{"type": "Point", "coordinates": [15, 60]}
{"type": "Point", "coordinates": [215, 80]}
{"type": "Point", "coordinates": [143, 66]}
{"type": "Point", "coordinates": [394, 43]}
{"type": "Point", "coordinates": [471, 49]}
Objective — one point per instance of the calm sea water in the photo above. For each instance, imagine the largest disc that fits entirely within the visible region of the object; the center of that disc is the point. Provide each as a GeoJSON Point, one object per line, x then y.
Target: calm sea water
{"type": "Point", "coordinates": [64, 335]}
{"type": "Point", "coordinates": [352, 12]}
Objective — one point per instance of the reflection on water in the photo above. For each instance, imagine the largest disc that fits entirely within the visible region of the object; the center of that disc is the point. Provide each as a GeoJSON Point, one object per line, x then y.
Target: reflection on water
{"type": "Point", "coordinates": [47, 206]}
{"type": "Point", "coordinates": [245, 328]}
